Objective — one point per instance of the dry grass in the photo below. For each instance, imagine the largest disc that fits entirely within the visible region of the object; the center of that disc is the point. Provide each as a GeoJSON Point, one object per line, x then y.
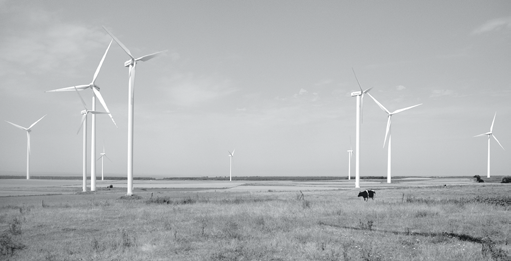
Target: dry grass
{"type": "Point", "coordinates": [400, 224]}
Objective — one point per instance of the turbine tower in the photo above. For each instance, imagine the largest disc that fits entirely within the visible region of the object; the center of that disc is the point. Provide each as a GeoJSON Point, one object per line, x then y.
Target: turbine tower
{"type": "Point", "coordinates": [360, 104]}
{"type": "Point", "coordinates": [103, 155]}
{"type": "Point", "coordinates": [490, 134]}
{"type": "Point", "coordinates": [28, 130]}
{"type": "Point", "coordinates": [230, 163]}
{"type": "Point", "coordinates": [131, 64]}
{"type": "Point", "coordinates": [96, 94]}
{"type": "Point", "coordinates": [388, 134]}
{"type": "Point", "coordinates": [85, 112]}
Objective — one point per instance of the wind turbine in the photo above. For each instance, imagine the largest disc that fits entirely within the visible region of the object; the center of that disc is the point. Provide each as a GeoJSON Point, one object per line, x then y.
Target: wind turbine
{"type": "Point", "coordinates": [388, 133]}
{"type": "Point", "coordinates": [85, 112]}
{"type": "Point", "coordinates": [230, 164]}
{"type": "Point", "coordinates": [28, 130]}
{"type": "Point", "coordinates": [96, 94]}
{"type": "Point", "coordinates": [103, 155]}
{"type": "Point", "coordinates": [490, 134]}
{"type": "Point", "coordinates": [350, 153]}
{"type": "Point", "coordinates": [360, 104]}
{"type": "Point", "coordinates": [131, 64]}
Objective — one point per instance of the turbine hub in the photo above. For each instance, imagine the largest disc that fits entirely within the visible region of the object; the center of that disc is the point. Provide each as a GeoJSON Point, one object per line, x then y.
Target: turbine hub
{"type": "Point", "coordinates": [353, 94]}
{"type": "Point", "coordinates": [84, 112]}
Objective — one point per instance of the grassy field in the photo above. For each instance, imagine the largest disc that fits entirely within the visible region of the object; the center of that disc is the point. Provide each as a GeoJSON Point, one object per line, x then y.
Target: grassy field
{"type": "Point", "coordinates": [407, 223]}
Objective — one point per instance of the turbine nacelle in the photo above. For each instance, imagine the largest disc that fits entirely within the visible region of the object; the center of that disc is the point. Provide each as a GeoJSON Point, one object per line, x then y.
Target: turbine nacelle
{"type": "Point", "coordinates": [129, 63]}
{"type": "Point", "coordinates": [354, 94]}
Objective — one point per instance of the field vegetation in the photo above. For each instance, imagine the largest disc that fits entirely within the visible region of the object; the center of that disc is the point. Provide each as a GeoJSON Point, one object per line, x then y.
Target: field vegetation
{"type": "Point", "coordinates": [429, 223]}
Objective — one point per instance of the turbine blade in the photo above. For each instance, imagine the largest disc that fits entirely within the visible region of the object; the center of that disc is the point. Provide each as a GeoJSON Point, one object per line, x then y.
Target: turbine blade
{"type": "Point", "coordinates": [101, 63]}
{"type": "Point", "coordinates": [351, 147]}
{"type": "Point", "coordinates": [108, 158]}
{"type": "Point", "coordinates": [33, 124]}
{"type": "Point", "coordinates": [233, 152]}
{"type": "Point", "coordinates": [484, 134]}
{"type": "Point", "coordinates": [491, 128]}
{"type": "Point", "coordinates": [17, 126]}
{"type": "Point", "coordinates": [83, 102]}
{"type": "Point", "coordinates": [387, 133]}
{"type": "Point", "coordinates": [379, 104]}
{"type": "Point", "coordinates": [98, 112]}
{"type": "Point", "coordinates": [357, 79]}
{"type": "Point", "coordinates": [149, 56]}
{"type": "Point", "coordinates": [112, 118]}
{"type": "Point", "coordinates": [100, 98]}
{"type": "Point", "coordinates": [407, 108]}
{"type": "Point", "coordinates": [84, 118]}
{"type": "Point", "coordinates": [70, 89]}
{"type": "Point", "coordinates": [498, 142]}
{"type": "Point", "coordinates": [119, 43]}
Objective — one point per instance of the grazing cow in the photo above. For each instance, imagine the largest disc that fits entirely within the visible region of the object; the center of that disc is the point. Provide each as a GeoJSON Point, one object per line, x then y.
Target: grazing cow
{"type": "Point", "coordinates": [110, 186]}
{"type": "Point", "coordinates": [478, 179]}
{"type": "Point", "coordinates": [366, 194]}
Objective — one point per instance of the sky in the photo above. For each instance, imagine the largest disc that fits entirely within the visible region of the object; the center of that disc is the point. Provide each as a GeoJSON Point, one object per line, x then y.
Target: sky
{"type": "Point", "coordinates": [270, 79]}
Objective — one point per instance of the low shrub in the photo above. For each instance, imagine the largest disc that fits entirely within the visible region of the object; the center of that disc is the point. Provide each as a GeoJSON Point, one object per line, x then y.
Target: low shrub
{"type": "Point", "coordinates": [9, 244]}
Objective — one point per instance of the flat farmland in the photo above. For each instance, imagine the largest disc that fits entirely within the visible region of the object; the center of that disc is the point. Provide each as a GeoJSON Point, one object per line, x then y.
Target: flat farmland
{"type": "Point", "coordinates": [410, 219]}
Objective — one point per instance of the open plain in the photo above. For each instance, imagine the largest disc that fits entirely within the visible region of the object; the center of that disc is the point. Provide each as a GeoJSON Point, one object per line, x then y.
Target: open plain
{"type": "Point", "coordinates": [410, 219]}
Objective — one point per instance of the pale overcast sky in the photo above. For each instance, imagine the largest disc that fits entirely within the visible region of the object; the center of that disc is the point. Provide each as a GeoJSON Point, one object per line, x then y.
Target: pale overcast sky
{"type": "Point", "coordinates": [271, 79]}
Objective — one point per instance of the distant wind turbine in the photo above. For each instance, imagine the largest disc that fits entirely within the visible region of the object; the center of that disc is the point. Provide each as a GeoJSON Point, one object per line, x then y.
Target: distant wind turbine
{"type": "Point", "coordinates": [388, 134]}
{"type": "Point", "coordinates": [350, 153]}
{"type": "Point", "coordinates": [85, 112]}
{"type": "Point", "coordinates": [103, 155]}
{"type": "Point", "coordinates": [28, 130]}
{"type": "Point", "coordinates": [96, 94]}
{"type": "Point", "coordinates": [131, 63]}
{"type": "Point", "coordinates": [230, 164]}
{"type": "Point", "coordinates": [360, 104]}
{"type": "Point", "coordinates": [490, 134]}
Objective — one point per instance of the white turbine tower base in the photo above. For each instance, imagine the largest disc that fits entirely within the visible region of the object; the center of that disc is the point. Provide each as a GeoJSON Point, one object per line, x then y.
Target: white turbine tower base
{"type": "Point", "coordinates": [388, 134]}
{"type": "Point", "coordinates": [132, 63]}
{"type": "Point", "coordinates": [490, 134]}
{"type": "Point", "coordinates": [28, 130]}
{"type": "Point", "coordinates": [360, 104]}
{"type": "Point", "coordinates": [231, 155]}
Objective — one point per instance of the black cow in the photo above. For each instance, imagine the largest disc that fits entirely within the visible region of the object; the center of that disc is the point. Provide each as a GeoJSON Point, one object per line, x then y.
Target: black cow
{"type": "Point", "coordinates": [366, 194]}
{"type": "Point", "coordinates": [110, 186]}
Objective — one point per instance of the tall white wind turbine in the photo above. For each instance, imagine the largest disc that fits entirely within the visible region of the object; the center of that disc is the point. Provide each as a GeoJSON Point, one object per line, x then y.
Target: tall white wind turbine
{"type": "Point", "coordinates": [388, 134]}
{"type": "Point", "coordinates": [83, 125]}
{"type": "Point", "coordinates": [230, 163]}
{"type": "Point", "coordinates": [96, 94]}
{"type": "Point", "coordinates": [131, 64]}
{"type": "Point", "coordinates": [490, 134]}
{"type": "Point", "coordinates": [102, 156]}
{"type": "Point", "coordinates": [360, 104]}
{"type": "Point", "coordinates": [28, 130]}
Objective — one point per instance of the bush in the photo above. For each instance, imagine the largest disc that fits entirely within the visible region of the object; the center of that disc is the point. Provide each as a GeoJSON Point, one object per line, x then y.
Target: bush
{"type": "Point", "coordinates": [9, 244]}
